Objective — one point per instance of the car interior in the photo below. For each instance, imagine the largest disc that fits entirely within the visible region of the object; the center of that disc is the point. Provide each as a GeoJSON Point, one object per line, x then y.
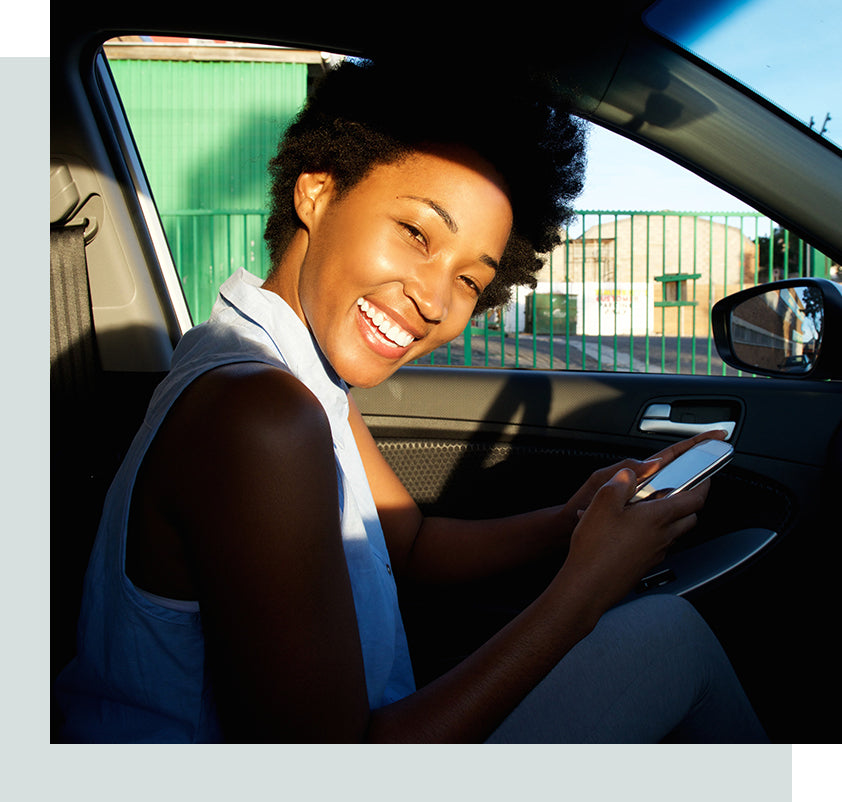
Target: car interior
{"type": "Point", "coordinates": [761, 566]}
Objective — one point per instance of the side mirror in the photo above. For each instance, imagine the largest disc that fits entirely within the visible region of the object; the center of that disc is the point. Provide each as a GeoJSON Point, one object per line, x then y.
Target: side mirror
{"type": "Point", "coordinates": [789, 328]}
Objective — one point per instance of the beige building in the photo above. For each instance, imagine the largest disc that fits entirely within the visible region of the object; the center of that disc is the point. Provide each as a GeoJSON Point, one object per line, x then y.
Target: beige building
{"type": "Point", "coordinates": [683, 264]}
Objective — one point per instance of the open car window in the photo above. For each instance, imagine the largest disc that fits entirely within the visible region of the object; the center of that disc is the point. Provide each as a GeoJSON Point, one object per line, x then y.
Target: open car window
{"type": "Point", "coordinates": [651, 248]}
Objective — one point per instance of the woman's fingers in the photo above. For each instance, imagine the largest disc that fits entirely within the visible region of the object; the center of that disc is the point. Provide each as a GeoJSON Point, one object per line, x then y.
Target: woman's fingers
{"type": "Point", "coordinates": [615, 543]}
{"type": "Point", "coordinates": [618, 489]}
{"type": "Point", "coordinates": [671, 452]}
{"type": "Point", "coordinates": [643, 469]}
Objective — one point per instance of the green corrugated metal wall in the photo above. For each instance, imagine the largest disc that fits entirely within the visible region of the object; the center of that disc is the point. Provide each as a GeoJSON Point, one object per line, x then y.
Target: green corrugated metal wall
{"type": "Point", "coordinates": [205, 132]}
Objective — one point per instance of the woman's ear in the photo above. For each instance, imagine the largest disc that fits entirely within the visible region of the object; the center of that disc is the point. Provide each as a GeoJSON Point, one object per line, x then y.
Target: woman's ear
{"type": "Point", "coordinates": [311, 191]}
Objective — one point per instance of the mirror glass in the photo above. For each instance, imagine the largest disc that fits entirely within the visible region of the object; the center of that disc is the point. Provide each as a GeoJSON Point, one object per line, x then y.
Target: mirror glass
{"type": "Point", "coordinates": [779, 330]}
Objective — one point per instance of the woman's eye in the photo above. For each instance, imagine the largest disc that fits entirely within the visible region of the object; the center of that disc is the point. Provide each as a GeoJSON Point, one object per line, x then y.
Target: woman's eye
{"type": "Point", "coordinates": [414, 233]}
{"type": "Point", "coordinates": [471, 284]}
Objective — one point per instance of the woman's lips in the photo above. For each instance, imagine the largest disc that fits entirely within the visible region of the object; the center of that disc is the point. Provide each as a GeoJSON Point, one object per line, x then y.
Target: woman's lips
{"type": "Point", "coordinates": [390, 331]}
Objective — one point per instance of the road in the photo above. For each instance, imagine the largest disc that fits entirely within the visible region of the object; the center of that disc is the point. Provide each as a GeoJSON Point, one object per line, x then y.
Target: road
{"type": "Point", "coordinates": [638, 354]}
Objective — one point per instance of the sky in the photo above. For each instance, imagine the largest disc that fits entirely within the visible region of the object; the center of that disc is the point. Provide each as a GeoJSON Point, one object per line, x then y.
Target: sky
{"type": "Point", "coordinates": [787, 51]}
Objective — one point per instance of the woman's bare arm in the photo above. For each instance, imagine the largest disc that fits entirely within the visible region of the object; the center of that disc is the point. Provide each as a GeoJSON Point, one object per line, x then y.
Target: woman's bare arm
{"type": "Point", "coordinates": [256, 503]}
{"type": "Point", "coordinates": [258, 510]}
{"type": "Point", "coordinates": [612, 546]}
{"type": "Point", "coordinates": [454, 550]}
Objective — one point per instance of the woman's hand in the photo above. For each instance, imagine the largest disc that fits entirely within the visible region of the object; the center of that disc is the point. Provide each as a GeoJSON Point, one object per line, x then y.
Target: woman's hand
{"type": "Point", "coordinates": [642, 469]}
{"type": "Point", "coordinates": [616, 543]}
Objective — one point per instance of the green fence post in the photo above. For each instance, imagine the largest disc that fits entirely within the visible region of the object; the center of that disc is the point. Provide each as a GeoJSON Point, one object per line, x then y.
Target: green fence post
{"type": "Point", "coordinates": [467, 340]}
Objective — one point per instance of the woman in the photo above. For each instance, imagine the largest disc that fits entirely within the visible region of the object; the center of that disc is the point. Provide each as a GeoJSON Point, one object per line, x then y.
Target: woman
{"type": "Point", "coordinates": [255, 494]}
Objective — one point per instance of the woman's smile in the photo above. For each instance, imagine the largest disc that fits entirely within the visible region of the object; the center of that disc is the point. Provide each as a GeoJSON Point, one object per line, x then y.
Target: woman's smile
{"type": "Point", "coordinates": [383, 328]}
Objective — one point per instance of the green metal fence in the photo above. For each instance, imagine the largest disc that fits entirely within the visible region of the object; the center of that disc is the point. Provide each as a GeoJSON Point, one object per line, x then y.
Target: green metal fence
{"type": "Point", "coordinates": [208, 246]}
{"type": "Point", "coordinates": [205, 131]}
{"type": "Point", "coordinates": [625, 291]}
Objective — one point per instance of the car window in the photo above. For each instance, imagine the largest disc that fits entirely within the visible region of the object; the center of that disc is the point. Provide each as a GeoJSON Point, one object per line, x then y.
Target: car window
{"type": "Point", "coordinates": [206, 118]}
{"type": "Point", "coordinates": [651, 248]}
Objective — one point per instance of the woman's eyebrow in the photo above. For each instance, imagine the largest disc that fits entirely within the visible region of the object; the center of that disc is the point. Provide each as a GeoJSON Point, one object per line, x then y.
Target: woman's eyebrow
{"type": "Point", "coordinates": [451, 224]}
{"type": "Point", "coordinates": [439, 210]}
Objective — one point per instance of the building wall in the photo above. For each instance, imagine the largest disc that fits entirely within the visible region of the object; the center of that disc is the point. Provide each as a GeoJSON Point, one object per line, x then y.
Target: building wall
{"type": "Point", "coordinates": [206, 131]}
{"type": "Point", "coordinates": [640, 251]}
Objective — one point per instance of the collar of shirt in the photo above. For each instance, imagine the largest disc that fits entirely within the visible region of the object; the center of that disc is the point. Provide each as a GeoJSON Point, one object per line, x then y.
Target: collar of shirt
{"type": "Point", "coordinates": [292, 339]}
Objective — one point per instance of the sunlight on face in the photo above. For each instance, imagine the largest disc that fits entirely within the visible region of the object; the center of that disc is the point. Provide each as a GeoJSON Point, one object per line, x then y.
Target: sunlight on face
{"type": "Point", "coordinates": [394, 267]}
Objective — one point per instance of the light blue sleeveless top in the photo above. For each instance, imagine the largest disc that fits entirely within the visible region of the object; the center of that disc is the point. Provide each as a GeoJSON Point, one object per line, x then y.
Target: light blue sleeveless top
{"type": "Point", "coordinates": [140, 672]}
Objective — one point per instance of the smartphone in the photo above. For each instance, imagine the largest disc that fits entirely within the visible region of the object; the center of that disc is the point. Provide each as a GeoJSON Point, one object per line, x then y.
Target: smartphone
{"type": "Point", "coordinates": [686, 470]}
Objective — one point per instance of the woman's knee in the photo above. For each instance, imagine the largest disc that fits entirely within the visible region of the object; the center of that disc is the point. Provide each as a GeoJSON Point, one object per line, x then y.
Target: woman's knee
{"type": "Point", "coordinates": [666, 605]}
{"type": "Point", "coordinates": [644, 668]}
{"type": "Point", "coordinates": [669, 616]}
{"type": "Point", "coordinates": [668, 630]}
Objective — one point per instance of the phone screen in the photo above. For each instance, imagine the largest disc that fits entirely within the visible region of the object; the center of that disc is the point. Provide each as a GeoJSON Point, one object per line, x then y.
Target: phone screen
{"type": "Point", "coordinates": [686, 470]}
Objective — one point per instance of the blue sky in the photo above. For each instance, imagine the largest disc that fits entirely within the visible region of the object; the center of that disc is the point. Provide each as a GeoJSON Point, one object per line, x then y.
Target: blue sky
{"type": "Point", "coordinates": [785, 50]}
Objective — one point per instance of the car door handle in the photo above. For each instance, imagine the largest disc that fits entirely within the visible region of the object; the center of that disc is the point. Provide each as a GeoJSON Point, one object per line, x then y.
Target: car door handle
{"type": "Point", "coordinates": [656, 419]}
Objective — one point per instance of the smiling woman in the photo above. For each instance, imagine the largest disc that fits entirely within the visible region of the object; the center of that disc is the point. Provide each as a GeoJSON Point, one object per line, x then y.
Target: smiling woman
{"type": "Point", "coordinates": [243, 581]}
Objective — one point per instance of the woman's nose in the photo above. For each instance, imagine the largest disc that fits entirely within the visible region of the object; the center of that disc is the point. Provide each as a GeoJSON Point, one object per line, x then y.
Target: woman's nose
{"type": "Point", "coordinates": [430, 289]}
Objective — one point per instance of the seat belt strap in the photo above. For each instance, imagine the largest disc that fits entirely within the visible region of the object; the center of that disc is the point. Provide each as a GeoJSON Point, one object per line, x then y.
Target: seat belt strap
{"type": "Point", "coordinates": [74, 361]}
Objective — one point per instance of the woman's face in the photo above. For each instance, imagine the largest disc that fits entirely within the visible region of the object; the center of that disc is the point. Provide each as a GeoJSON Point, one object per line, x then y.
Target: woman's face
{"type": "Point", "coordinates": [394, 267]}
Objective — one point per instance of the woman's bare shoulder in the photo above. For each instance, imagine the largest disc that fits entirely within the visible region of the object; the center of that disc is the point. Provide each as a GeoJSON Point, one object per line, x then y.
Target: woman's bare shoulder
{"type": "Point", "coordinates": [246, 405]}
{"type": "Point", "coordinates": [256, 389]}
{"type": "Point", "coordinates": [244, 427]}
{"type": "Point", "coordinates": [242, 441]}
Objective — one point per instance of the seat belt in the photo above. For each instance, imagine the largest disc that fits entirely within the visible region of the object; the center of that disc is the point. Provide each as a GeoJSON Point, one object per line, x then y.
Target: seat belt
{"type": "Point", "coordinates": [75, 491]}
{"type": "Point", "coordinates": [74, 360]}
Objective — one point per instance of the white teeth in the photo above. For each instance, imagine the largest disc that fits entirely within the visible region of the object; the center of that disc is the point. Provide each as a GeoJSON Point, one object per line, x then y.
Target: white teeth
{"type": "Point", "coordinates": [385, 326]}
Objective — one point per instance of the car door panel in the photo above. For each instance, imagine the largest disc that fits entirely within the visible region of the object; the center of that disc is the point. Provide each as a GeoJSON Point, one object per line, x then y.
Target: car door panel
{"type": "Point", "coordinates": [485, 443]}
{"type": "Point", "coordinates": [476, 442]}
{"type": "Point", "coordinates": [780, 429]}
